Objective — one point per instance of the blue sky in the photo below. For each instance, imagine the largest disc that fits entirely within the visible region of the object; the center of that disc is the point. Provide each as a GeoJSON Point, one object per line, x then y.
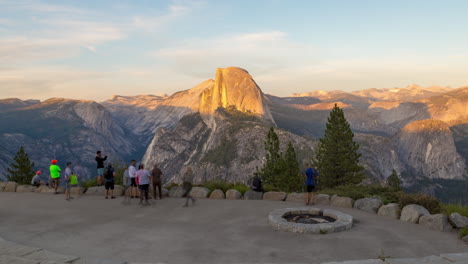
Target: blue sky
{"type": "Point", "coordinates": [95, 49]}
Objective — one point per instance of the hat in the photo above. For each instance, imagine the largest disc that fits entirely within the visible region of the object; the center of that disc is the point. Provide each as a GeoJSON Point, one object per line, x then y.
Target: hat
{"type": "Point", "coordinates": [54, 161]}
{"type": "Point", "coordinates": [38, 172]}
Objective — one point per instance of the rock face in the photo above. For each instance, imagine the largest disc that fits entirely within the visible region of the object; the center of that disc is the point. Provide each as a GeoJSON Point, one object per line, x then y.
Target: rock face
{"type": "Point", "coordinates": [296, 198]}
{"type": "Point", "coordinates": [370, 205]}
{"type": "Point", "coordinates": [412, 212]}
{"type": "Point", "coordinates": [274, 196]}
{"type": "Point", "coordinates": [458, 220]}
{"type": "Point", "coordinates": [253, 195]}
{"type": "Point", "coordinates": [323, 199]}
{"type": "Point", "coordinates": [199, 192]}
{"type": "Point", "coordinates": [342, 201]}
{"type": "Point", "coordinates": [438, 222]}
{"type": "Point", "coordinates": [390, 210]}
{"type": "Point", "coordinates": [10, 187]}
{"type": "Point", "coordinates": [232, 194]}
{"type": "Point", "coordinates": [176, 192]}
{"type": "Point", "coordinates": [26, 188]}
{"type": "Point", "coordinates": [217, 194]}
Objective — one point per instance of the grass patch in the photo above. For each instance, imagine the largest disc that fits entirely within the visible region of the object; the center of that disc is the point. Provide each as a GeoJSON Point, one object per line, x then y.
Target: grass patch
{"type": "Point", "coordinates": [171, 185]}
{"type": "Point", "coordinates": [362, 191]}
{"type": "Point", "coordinates": [464, 232]}
{"type": "Point", "coordinates": [89, 183]}
{"type": "Point", "coordinates": [242, 188]}
{"type": "Point", "coordinates": [270, 188]}
{"type": "Point", "coordinates": [430, 203]}
{"type": "Point", "coordinates": [455, 208]}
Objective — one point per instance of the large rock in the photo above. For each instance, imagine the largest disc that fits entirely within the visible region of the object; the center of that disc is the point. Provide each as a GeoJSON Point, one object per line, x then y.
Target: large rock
{"type": "Point", "coordinates": [342, 201]}
{"type": "Point", "coordinates": [11, 187]}
{"type": "Point", "coordinates": [233, 194]}
{"type": "Point", "coordinates": [458, 220]}
{"type": "Point", "coordinates": [274, 196]}
{"type": "Point", "coordinates": [199, 192]}
{"type": "Point", "coordinates": [96, 190]}
{"type": "Point", "coordinates": [438, 222]}
{"type": "Point", "coordinates": [412, 212]}
{"type": "Point", "coordinates": [2, 186]}
{"type": "Point", "coordinates": [26, 188]}
{"type": "Point", "coordinates": [253, 195]}
{"type": "Point", "coordinates": [323, 199]}
{"type": "Point", "coordinates": [465, 239]}
{"type": "Point", "coordinates": [76, 190]}
{"type": "Point", "coordinates": [390, 210]}
{"type": "Point", "coordinates": [296, 197]}
{"type": "Point", "coordinates": [176, 192]}
{"type": "Point", "coordinates": [48, 189]}
{"type": "Point", "coordinates": [119, 190]}
{"type": "Point", "coordinates": [370, 205]}
{"type": "Point", "coordinates": [217, 194]}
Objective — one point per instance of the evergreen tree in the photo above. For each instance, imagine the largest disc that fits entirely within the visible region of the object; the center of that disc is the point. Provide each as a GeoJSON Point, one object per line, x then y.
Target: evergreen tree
{"type": "Point", "coordinates": [292, 180]}
{"type": "Point", "coordinates": [21, 170]}
{"type": "Point", "coordinates": [394, 181]}
{"type": "Point", "coordinates": [273, 160]}
{"type": "Point", "coordinates": [337, 156]}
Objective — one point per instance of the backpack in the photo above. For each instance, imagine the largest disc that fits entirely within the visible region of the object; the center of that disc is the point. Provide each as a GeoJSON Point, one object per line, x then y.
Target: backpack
{"type": "Point", "coordinates": [106, 173]}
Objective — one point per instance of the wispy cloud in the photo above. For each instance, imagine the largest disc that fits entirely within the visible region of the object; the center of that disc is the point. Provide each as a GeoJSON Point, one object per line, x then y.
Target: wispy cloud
{"type": "Point", "coordinates": [154, 23]}
{"type": "Point", "coordinates": [39, 6]}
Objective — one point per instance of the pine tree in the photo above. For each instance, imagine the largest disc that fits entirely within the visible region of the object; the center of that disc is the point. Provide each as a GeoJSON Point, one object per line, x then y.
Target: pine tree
{"type": "Point", "coordinates": [337, 156]}
{"type": "Point", "coordinates": [21, 170]}
{"type": "Point", "coordinates": [291, 180]}
{"type": "Point", "coordinates": [394, 181]}
{"type": "Point", "coordinates": [271, 169]}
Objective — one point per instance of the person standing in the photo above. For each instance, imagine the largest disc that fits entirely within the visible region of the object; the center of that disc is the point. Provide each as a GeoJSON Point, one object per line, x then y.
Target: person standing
{"type": "Point", "coordinates": [132, 175]}
{"type": "Point", "coordinates": [187, 186]}
{"type": "Point", "coordinates": [143, 177]}
{"type": "Point", "coordinates": [156, 179]}
{"type": "Point", "coordinates": [100, 166]}
{"type": "Point", "coordinates": [311, 182]}
{"type": "Point", "coordinates": [126, 178]}
{"type": "Point", "coordinates": [36, 180]}
{"type": "Point", "coordinates": [55, 175]}
{"type": "Point", "coordinates": [109, 175]}
{"type": "Point", "coordinates": [67, 177]}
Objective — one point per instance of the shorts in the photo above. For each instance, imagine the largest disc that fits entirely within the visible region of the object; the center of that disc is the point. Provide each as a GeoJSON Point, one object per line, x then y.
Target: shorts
{"type": "Point", "coordinates": [310, 188]}
{"type": "Point", "coordinates": [100, 171]}
{"type": "Point", "coordinates": [143, 187]}
{"type": "Point", "coordinates": [109, 185]}
{"type": "Point", "coordinates": [68, 185]}
{"type": "Point", "coordinates": [133, 182]}
{"type": "Point", "coordinates": [56, 180]}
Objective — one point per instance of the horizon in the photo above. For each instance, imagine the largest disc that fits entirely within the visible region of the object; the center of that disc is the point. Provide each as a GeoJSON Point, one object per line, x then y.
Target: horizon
{"type": "Point", "coordinates": [91, 51]}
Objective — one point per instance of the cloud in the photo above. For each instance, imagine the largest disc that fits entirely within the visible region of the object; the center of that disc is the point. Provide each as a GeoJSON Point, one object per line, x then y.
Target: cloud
{"type": "Point", "coordinates": [154, 23]}
{"type": "Point", "coordinates": [39, 6]}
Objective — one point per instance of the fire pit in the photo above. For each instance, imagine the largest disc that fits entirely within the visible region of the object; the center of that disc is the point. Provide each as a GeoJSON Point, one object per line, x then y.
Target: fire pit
{"type": "Point", "coordinates": [310, 220]}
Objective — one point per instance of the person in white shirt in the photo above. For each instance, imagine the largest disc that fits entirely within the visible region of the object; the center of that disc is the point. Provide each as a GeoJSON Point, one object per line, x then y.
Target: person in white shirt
{"type": "Point", "coordinates": [68, 173]}
{"type": "Point", "coordinates": [36, 180]}
{"type": "Point", "coordinates": [143, 178]}
{"type": "Point", "coordinates": [132, 175]}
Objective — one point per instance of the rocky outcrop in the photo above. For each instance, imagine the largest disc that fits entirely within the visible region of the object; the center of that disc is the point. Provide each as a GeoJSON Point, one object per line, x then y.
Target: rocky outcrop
{"type": "Point", "coordinates": [199, 192]}
{"type": "Point", "coordinates": [296, 197]}
{"type": "Point", "coordinates": [370, 205]}
{"type": "Point", "coordinates": [323, 199]}
{"type": "Point", "coordinates": [342, 201]}
{"type": "Point", "coordinates": [390, 210]}
{"type": "Point", "coordinates": [217, 194]}
{"type": "Point", "coordinates": [437, 222]}
{"type": "Point", "coordinates": [26, 188]}
{"type": "Point", "coordinates": [274, 196]}
{"type": "Point", "coordinates": [2, 186]}
{"type": "Point", "coordinates": [458, 220]}
{"type": "Point", "coordinates": [412, 212]}
{"type": "Point", "coordinates": [176, 192]}
{"type": "Point", "coordinates": [10, 187]}
{"type": "Point", "coordinates": [233, 194]}
{"type": "Point", "coordinates": [253, 195]}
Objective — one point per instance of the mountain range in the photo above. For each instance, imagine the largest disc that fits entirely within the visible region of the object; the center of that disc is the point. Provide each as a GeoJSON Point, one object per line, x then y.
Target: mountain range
{"type": "Point", "coordinates": [218, 128]}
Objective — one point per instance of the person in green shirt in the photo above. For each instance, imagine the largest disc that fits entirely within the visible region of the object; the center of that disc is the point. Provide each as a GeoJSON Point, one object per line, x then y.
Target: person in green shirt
{"type": "Point", "coordinates": [55, 174]}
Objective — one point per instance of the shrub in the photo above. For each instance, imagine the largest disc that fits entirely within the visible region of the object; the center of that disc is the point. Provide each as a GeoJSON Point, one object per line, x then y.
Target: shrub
{"type": "Point", "coordinates": [171, 185]}
{"type": "Point", "coordinates": [455, 208]}
{"type": "Point", "coordinates": [362, 191]}
{"type": "Point", "coordinates": [89, 183]}
{"type": "Point", "coordinates": [429, 202]}
{"type": "Point", "coordinates": [217, 184]}
{"type": "Point", "coordinates": [242, 188]}
{"type": "Point", "coordinates": [464, 231]}
{"type": "Point", "coordinates": [270, 188]}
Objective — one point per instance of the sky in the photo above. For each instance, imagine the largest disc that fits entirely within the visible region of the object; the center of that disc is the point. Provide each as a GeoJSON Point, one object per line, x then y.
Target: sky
{"type": "Point", "coordinates": [96, 49]}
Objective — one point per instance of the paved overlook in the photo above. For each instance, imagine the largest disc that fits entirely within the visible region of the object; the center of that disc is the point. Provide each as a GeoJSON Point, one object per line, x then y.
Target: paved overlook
{"type": "Point", "coordinates": [212, 231]}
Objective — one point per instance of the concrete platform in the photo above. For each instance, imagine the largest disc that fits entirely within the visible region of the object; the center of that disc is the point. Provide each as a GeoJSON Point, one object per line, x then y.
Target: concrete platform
{"type": "Point", "coordinates": [213, 231]}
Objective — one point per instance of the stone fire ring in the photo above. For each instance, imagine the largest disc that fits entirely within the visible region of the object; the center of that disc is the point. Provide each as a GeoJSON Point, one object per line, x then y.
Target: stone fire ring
{"type": "Point", "coordinates": [343, 221]}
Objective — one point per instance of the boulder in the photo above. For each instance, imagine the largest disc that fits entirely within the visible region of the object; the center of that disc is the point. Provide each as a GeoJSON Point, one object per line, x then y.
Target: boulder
{"type": "Point", "coordinates": [76, 190]}
{"type": "Point", "coordinates": [322, 199]}
{"type": "Point", "coordinates": [165, 192]}
{"type": "Point", "coordinates": [2, 186]}
{"type": "Point", "coordinates": [370, 205]}
{"type": "Point", "coordinates": [296, 197]}
{"type": "Point", "coordinates": [253, 195]}
{"type": "Point", "coordinates": [217, 194]}
{"type": "Point", "coordinates": [274, 196]}
{"type": "Point", "coordinates": [412, 212]}
{"type": "Point", "coordinates": [199, 192]}
{"type": "Point", "coordinates": [176, 192]}
{"type": "Point", "coordinates": [465, 239]}
{"type": "Point", "coordinates": [458, 220]}
{"type": "Point", "coordinates": [437, 222]}
{"type": "Point", "coordinates": [391, 210]}
{"type": "Point", "coordinates": [119, 190]}
{"type": "Point", "coordinates": [233, 194]}
{"type": "Point", "coordinates": [26, 188]}
{"type": "Point", "coordinates": [48, 189]}
{"type": "Point", "coordinates": [342, 201]}
{"type": "Point", "coordinates": [96, 190]}
{"type": "Point", "coordinates": [11, 187]}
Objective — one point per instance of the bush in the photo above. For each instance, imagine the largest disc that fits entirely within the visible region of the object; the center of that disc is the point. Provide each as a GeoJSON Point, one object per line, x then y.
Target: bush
{"type": "Point", "coordinates": [455, 208]}
{"type": "Point", "coordinates": [464, 231]}
{"type": "Point", "coordinates": [429, 202]}
{"type": "Point", "coordinates": [242, 188]}
{"type": "Point", "coordinates": [171, 185]}
{"type": "Point", "coordinates": [217, 184]}
{"type": "Point", "coordinates": [270, 188]}
{"type": "Point", "coordinates": [89, 183]}
{"type": "Point", "coordinates": [362, 191]}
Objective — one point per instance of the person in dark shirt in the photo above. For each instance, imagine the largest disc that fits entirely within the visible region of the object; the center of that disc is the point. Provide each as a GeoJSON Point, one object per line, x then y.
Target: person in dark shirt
{"type": "Point", "coordinates": [109, 175]}
{"type": "Point", "coordinates": [312, 176]}
{"type": "Point", "coordinates": [156, 176]}
{"type": "Point", "coordinates": [100, 166]}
